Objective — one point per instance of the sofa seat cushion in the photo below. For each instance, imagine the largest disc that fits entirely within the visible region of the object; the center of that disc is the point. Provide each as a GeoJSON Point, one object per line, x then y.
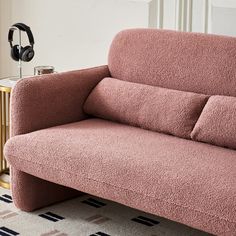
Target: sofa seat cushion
{"type": "Point", "coordinates": [175, 178]}
{"type": "Point", "coordinates": [154, 108]}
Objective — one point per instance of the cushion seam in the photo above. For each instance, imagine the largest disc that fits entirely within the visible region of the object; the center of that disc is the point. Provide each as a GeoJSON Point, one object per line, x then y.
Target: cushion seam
{"type": "Point", "coordinates": [206, 213]}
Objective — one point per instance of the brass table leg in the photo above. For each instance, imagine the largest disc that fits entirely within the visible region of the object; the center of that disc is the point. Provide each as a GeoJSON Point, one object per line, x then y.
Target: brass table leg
{"type": "Point", "coordinates": [4, 132]}
{"type": "Point", "coordinates": [3, 183]}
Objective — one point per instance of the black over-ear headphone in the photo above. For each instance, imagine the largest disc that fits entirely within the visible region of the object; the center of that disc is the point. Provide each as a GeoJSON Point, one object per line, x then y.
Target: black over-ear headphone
{"type": "Point", "coordinates": [24, 53]}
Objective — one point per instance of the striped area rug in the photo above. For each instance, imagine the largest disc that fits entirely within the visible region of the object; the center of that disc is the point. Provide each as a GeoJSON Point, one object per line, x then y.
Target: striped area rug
{"type": "Point", "coordinates": [85, 216]}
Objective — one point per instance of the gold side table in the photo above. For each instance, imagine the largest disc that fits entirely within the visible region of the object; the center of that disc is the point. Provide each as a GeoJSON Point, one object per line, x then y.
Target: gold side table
{"type": "Point", "coordinates": [5, 91]}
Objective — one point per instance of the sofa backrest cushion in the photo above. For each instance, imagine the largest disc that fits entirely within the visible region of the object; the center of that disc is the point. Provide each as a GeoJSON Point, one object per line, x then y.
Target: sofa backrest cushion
{"type": "Point", "coordinates": [217, 122]}
{"type": "Point", "coordinates": [153, 108]}
{"type": "Point", "coordinates": [192, 62]}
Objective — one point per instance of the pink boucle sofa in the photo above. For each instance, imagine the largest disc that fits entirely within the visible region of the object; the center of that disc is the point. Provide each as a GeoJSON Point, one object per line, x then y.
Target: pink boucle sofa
{"type": "Point", "coordinates": [154, 130]}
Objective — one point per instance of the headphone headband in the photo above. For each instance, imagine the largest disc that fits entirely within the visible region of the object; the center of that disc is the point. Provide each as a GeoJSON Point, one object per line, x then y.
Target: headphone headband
{"type": "Point", "coordinates": [21, 27]}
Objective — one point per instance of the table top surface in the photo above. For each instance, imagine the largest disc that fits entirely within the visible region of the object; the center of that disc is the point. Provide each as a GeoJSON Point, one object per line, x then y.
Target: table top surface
{"type": "Point", "coordinates": [9, 82]}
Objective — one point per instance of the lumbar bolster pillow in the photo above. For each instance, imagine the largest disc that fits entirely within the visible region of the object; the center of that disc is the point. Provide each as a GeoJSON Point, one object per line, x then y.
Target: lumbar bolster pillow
{"type": "Point", "coordinates": [217, 123]}
{"type": "Point", "coordinates": [153, 108]}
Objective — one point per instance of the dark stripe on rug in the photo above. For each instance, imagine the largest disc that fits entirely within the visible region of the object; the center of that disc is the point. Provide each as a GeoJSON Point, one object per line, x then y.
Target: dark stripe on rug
{"type": "Point", "coordinates": [4, 234]}
{"type": "Point", "coordinates": [5, 200]}
{"type": "Point", "coordinates": [100, 234]}
{"type": "Point", "coordinates": [7, 196]}
{"type": "Point", "coordinates": [142, 222]}
{"type": "Point", "coordinates": [91, 204]}
{"type": "Point", "coordinates": [96, 202]}
{"type": "Point", "coordinates": [149, 220]}
{"type": "Point", "coordinates": [8, 231]}
{"type": "Point", "coordinates": [48, 217]}
{"type": "Point", "coordinates": [54, 215]}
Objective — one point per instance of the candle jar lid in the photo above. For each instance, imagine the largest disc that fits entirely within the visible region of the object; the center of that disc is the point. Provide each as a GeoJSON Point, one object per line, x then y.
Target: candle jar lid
{"type": "Point", "coordinates": [41, 70]}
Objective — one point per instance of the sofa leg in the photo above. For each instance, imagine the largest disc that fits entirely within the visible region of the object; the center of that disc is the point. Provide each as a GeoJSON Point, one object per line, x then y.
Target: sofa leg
{"type": "Point", "coordinates": [30, 193]}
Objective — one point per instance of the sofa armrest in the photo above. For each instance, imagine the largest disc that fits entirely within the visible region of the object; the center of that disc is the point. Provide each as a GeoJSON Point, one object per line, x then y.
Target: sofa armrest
{"type": "Point", "coordinates": [49, 100]}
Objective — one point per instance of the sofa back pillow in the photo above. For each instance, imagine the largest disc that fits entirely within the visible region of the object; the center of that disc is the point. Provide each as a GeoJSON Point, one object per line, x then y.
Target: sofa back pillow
{"type": "Point", "coordinates": [217, 123]}
{"type": "Point", "coordinates": [153, 108]}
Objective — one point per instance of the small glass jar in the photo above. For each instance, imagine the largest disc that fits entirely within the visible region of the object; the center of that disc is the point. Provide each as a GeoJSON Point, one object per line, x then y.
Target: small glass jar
{"type": "Point", "coordinates": [41, 70]}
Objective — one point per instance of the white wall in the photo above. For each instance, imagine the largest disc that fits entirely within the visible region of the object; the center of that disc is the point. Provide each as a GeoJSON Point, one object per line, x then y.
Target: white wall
{"type": "Point", "coordinates": [5, 19]}
{"type": "Point", "coordinates": [223, 17]}
{"type": "Point", "coordinates": [71, 34]}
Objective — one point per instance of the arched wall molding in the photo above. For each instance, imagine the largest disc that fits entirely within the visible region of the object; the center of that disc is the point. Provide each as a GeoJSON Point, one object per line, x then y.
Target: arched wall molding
{"type": "Point", "coordinates": [195, 15]}
{"type": "Point", "coordinates": [180, 15]}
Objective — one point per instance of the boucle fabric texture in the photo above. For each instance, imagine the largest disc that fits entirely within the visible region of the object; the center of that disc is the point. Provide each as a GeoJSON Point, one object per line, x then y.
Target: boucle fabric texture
{"type": "Point", "coordinates": [186, 181]}
{"type": "Point", "coordinates": [217, 123]}
{"type": "Point", "coordinates": [194, 62]}
{"type": "Point", "coordinates": [41, 102]}
{"type": "Point", "coordinates": [54, 99]}
{"type": "Point", "coordinates": [182, 180]}
{"type": "Point", "coordinates": [153, 108]}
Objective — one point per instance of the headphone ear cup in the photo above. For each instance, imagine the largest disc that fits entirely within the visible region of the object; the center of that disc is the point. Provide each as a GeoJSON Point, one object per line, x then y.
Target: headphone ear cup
{"type": "Point", "coordinates": [15, 52]}
{"type": "Point", "coordinates": [26, 54]}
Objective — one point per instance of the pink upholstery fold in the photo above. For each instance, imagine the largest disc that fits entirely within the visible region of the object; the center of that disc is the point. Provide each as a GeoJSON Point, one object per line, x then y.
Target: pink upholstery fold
{"type": "Point", "coordinates": [182, 180]}
{"type": "Point", "coordinates": [153, 108]}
